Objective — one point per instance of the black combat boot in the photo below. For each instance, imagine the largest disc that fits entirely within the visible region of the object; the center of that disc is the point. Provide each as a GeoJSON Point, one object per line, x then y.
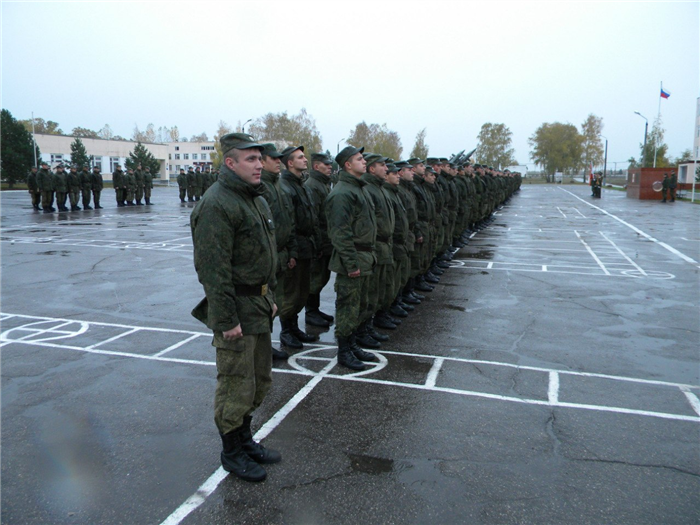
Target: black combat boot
{"type": "Point", "coordinates": [287, 338]}
{"type": "Point", "coordinates": [148, 202]}
{"type": "Point", "coordinates": [301, 336]}
{"type": "Point", "coordinates": [314, 318]}
{"type": "Point", "coordinates": [345, 356]}
{"type": "Point", "coordinates": [373, 333]}
{"type": "Point", "coordinates": [362, 337]}
{"type": "Point", "coordinates": [423, 286]}
{"type": "Point", "coordinates": [360, 353]}
{"type": "Point", "coordinates": [403, 304]}
{"type": "Point", "coordinates": [255, 450]}
{"type": "Point", "coordinates": [235, 460]}
{"type": "Point", "coordinates": [381, 320]}
{"type": "Point", "coordinates": [430, 278]}
{"type": "Point", "coordinates": [279, 354]}
{"type": "Point", "coordinates": [397, 311]}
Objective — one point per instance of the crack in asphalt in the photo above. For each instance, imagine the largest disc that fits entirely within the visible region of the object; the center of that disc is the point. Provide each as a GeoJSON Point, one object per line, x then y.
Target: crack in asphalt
{"type": "Point", "coordinates": [642, 465]}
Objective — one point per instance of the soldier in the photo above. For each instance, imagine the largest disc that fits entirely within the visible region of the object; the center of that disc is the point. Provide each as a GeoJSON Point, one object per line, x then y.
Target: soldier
{"type": "Point", "coordinates": [182, 184]}
{"type": "Point", "coordinates": [352, 228]}
{"type": "Point", "coordinates": [206, 180]}
{"type": "Point", "coordinates": [283, 214]}
{"type": "Point", "coordinates": [416, 229]}
{"type": "Point", "coordinates": [44, 183]}
{"type": "Point", "coordinates": [665, 185]}
{"type": "Point", "coordinates": [318, 186]}
{"type": "Point", "coordinates": [130, 180]}
{"type": "Point", "coordinates": [97, 185]}
{"type": "Point", "coordinates": [198, 184]}
{"type": "Point", "coordinates": [119, 182]}
{"type": "Point", "coordinates": [235, 258]}
{"type": "Point", "coordinates": [138, 185]}
{"type": "Point", "coordinates": [191, 184]}
{"type": "Point", "coordinates": [60, 184]}
{"type": "Point", "coordinates": [73, 179]}
{"type": "Point", "coordinates": [33, 189]}
{"type": "Point", "coordinates": [86, 187]}
{"type": "Point", "coordinates": [297, 280]}
{"type": "Point", "coordinates": [673, 183]}
{"type": "Point", "coordinates": [147, 185]}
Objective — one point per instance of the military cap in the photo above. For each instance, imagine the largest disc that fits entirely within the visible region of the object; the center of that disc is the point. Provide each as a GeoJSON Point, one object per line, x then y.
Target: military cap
{"type": "Point", "coordinates": [389, 160]}
{"type": "Point", "coordinates": [62, 166]}
{"type": "Point", "coordinates": [415, 161]}
{"type": "Point", "coordinates": [321, 157]}
{"type": "Point", "coordinates": [392, 168]}
{"type": "Point", "coordinates": [95, 167]}
{"type": "Point", "coordinates": [190, 168]}
{"type": "Point", "coordinates": [345, 153]}
{"type": "Point", "coordinates": [148, 169]}
{"type": "Point", "coordinates": [237, 141]}
{"type": "Point", "coordinates": [429, 169]}
{"type": "Point", "coordinates": [431, 161]}
{"type": "Point", "coordinates": [443, 160]}
{"type": "Point", "coordinates": [286, 152]}
{"type": "Point", "coordinates": [44, 163]}
{"type": "Point", "coordinates": [182, 169]}
{"type": "Point", "coordinates": [269, 150]}
{"type": "Point", "coordinates": [373, 158]}
{"type": "Point", "coordinates": [402, 164]}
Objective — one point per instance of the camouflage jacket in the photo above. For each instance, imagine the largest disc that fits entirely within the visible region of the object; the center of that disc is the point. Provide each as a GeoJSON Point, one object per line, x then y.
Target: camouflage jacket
{"type": "Point", "coordinates": [318, 186]}
{"type": "Point", "coordinates": [118, 179]}
{"type": "Point", "coordinates": [234, 245]}
{"type": "Point", "coordinates": [97, 182]}
{"type": "Point", "coordinates": [85, 180]}
{"type": "Point", "coordinates": [182, 180]}
{"type": "Point", "coordinates": [352, 226]}
{"type": "Point", "coordinates": [138, 178]}
{"type": "Point", "coordinates": [408, 198]}
{"type": "Point", "coordinates": [400, 236]}
{"type": "Point", "coordinates": [44, 180]}
{"type": "Point", "coordinates": [305, 226]}
{"type": "Point", "coordinates": [425, 207]}
{"type": "Point", "coordinates": [31, 181]}
{"type": "Point", "coordinates": [385, 217]}
{"type": "Point", "coordinates": [73, 180]}
{"type": "Point", "coordinates": [283, 214]}
{"type": "Point", "coordinates": [147, 179]}
{"type": "Point", "coordinates": [191, 179]}
{"type": "Point", "coordinates": [60, 182]}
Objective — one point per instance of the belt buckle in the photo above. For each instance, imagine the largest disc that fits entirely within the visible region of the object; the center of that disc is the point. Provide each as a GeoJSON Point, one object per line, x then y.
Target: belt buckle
{"type": "Point", "coordinates": [263, 289]}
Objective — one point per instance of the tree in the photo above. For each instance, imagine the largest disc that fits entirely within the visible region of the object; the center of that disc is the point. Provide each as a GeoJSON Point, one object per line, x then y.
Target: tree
{"type": "Point", "coordinates": [633, 162]}
{"type": "Point", "coordinates": [149, 135]}
{"type": "Point", "coordinates": [174, 134]}
{"type": "Point", "coordinates": [202, 137]}
{"type": "Point", "coordinates": [217, 157]}
{"type": "Point", "coordinates": [494, 147]}
{"type": "Point", "coordinates": [655, 144]}
{"type": "Point", "coordinates": [106, 132]}
{"type": "Point", "coordinates": [420, 148]}
{"type": "Point", "coordinates": [16, 149]}
{"type": "Point", "coordinates": [685, 156]}
{"type": "Point", "coordinates": [298, 130]}
{"type": "Point", "coordinates": [592, 143]}
{"type": "Point", "coordinates": [376, 139]}
{"type": "Point", "coordinates": [85, 133]}
{"type": "Point", "coordinates": [556, 147]}
{"type": "Point", "coordinates": [41, 126]}
{"type": "Point", "coordinates": [142, 156]}
{"type": "Point", "coordinates": [78, 154]}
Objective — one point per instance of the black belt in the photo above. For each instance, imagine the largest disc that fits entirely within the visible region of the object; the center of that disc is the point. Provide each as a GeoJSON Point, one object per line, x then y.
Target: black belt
{"type": "Point", "coordinates": [363, 248]}
{"type": "Point", "coordinates": [247, 290]}
{"type": "Point", "coordinates": [383, 239]}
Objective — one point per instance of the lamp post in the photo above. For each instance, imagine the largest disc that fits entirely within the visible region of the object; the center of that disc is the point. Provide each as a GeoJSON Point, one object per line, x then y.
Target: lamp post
{"type": "Point", "coordinates": [605, 162]}
{"type": "Point", "coordinates": [646, 127]}
{"type": "Point", "coordinates": [337, 149]}
{"type": "Point", "coordinates": [246, 122]}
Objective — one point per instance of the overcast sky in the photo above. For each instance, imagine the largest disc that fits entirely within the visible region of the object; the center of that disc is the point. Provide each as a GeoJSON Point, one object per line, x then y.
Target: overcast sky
{"type": "Point", "coordinates": [449, 66]}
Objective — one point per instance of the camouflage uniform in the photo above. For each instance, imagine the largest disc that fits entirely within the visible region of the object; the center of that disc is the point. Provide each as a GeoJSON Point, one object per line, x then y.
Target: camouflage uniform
{"type": "Point", "coordinates": [138, 186]}
{"type": "Point", "coordinates": [191, 185]}
{"type": "Point", "coordinates": [182, 185]}
{"type": "Point", "coordinates": [60, 184]}
{"type": "Point", "coordinates": [130, 180]}
{"type": "Point", "coordinates": [33, 189]}
{"type": "Point", "coordinates": [86, 187]}
{"type": "Point", "coordinates": [97, 185]}
{"type": "Point", "coordinates": [147, 185]}
{"type": "Point", "coordinates": [119, 183]}
{"type": "Point", "coordinates": [236, 257]}
{"type": "Point", "coordinates": [44, 183]}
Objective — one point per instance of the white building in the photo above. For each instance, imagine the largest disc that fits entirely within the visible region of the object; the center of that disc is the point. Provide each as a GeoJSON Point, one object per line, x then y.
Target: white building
{"type": "Point", "coordinates": [685, 170]}
{"type": "Point", "coordinates": [183, 155]}
{"type": "Point", "coordinates": [106, 154]}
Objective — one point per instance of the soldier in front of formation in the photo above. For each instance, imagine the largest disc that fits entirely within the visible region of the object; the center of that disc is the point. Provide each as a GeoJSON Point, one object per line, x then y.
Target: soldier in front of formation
{"type": "Point", "coordinates": [33, 189]}
{"type": "Point", "coordinates": [73, 180]}
{"type": "Point", "coordinates": [44, 183]}
{"type": "Point", "coordinates": [97, 183]}
{"type": "Point", "coordinates": [60, 184]}
{"type": "Point", "coordinates": [147, 185]}
{"type": "Point", "coordinates": [86, 187]}
{"type": "Point", "coordinates": [120, 185]}
{"type": "Point", "coordinates": [182, 184]}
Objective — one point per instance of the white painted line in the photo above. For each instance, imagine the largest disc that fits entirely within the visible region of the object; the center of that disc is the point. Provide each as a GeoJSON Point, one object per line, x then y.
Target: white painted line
{"type": "Point", "coordinates": [119, 336]}
{"type": "Point", "coordinates": [489, 265]}
{"type": "Point", "coordinates": [176, 345]}
{"type": "Point", "coordinates": [602, 266]}
{"type": "Point", "coordinates": [553, 390]}
{"type": "Point", "coordinates": [639, 268]}
{"type": "Point", "coordinates": [544, 267]}
{"type": "Point", "coordinates": [637, 230]}
{"type": "Point", "coordinates": [206, 489]}
{"type": "Point", "coordinates": [581, 214]}
{"type": "Point", "coordinates": [562, 213]}
{"type": "Point", "coordinates": [434, 371]}
{"type": "Point", "coordinates": [692, 399]}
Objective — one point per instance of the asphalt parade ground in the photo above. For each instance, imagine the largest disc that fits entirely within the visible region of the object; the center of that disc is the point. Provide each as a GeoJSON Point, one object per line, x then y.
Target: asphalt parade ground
{"type": "Point", "coordinates": [552, 377]}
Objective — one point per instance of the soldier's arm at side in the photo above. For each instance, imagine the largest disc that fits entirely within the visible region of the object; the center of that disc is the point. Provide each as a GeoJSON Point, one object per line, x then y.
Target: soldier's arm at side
{"type": "Point", "coordinates": [339, 218]}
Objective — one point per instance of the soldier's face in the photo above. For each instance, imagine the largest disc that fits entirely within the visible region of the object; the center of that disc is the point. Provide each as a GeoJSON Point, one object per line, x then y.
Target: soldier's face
{"type": "Point", "coordinates": [378, 169]}
{"type": "Point", "coordinates": [247, 164]}
{"type": "Point", "coordinates": [272, 165]}
{"type": "Point", "coordinates": [430, 178]}
{"type": "Point", "coordinates": [298, 161]}
{"type": "Point", "coordinates": [419, 169]}
{"type": "Point", "coordinates": [324, 168]}
{"type": "Point", "coordinates": [406, 174]}
{"type": "Point", "coordinates": [393, 178]}
{"type": "Point", "coordinates": [356, 165]}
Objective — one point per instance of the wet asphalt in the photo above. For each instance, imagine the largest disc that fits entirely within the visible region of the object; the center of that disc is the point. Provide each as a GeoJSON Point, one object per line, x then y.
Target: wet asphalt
{"type": "Point", "coordinates": [551, 377]}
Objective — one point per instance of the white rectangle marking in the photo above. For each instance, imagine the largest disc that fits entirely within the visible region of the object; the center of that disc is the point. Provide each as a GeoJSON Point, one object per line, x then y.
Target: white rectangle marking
{"type": "Point", "coordinates": [553, 391]}
{"type": "Point", "coordinates": [692, 399]}
{"type": "Point", "coordinates": [434, 371]}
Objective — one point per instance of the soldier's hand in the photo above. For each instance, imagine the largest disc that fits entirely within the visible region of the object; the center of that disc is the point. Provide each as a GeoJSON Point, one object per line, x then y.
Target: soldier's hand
{"type": "Point", "coordinates": [292, 263]}
{"type": "Point", "coordinates": [233, 333]}
{"type": "Point", "coordinates": [419, 240]}
{"type": "Point", "coordinates": [354, 274]}
{"type": "Point", "coordinates": [274, 309]}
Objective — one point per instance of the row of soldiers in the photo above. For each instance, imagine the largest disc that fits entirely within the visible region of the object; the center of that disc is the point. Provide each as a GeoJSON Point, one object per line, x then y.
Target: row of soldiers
{"type": "Point", "coordinates": [396, 224]}
{"type": "Point", "coordinates": [132, 187]}
{"type": "Point", "coordinates": [194, 183]}
{"type": "Point", "coordinates": [44, 184]}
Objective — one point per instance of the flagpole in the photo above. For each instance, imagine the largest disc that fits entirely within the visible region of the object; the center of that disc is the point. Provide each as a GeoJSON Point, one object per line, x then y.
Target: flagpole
{"type": "Point", "coordinates": [658, 116]}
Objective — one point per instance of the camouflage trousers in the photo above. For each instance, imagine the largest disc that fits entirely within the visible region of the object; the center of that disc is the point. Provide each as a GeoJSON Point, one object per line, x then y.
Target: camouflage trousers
{"type": "Point", "coordinates": [96, 197]}
{"type": "Point", "coordinates": [402, 270]}
{"type": "Point", "coordinates": [74, 198]}
{"type": "Point", "coordinates": [147, 193]}
{"type": "Point", "coordinates": [183, 193]}
{"type": "Point", "coordinates": [139, 193]}
{"type": "Point", "coordinates": [36, 197]}
{"type": "Point", "coordinates": [61, 199]}
{"type": "Point", "coordinates": [295, 291]}
{"type": "Point", "coordinates": [86, 198]}
{"type": "Point", "coordinates": [243, 379]}
{"type": "Point", "coordinates": [350, 302]}
{"type": "Point", "coordinates": [46, 199]}
{"type": "Point", "coordinates": [381, 283]}
{"type": "Point", "coordinates": [320, 274]}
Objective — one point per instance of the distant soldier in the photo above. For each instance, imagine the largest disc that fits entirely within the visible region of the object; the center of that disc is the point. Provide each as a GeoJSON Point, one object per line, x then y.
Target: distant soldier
{"type": "Point", "coordinates": [673, 183]}
{"type": "Point", "coordinates": [198, 184]}
{"type": "Point", "coordinates": [97, 185]}
{"type": "Point", "coordinates": [33, 189]}
{"type": "Point", "coordinates": [60, 184]}
{"type": "Point", "coordinates": [138, 185]}
{"type": "Point", "coordinates": [182, 184]}
{"type": "Point", "coordinates": [86, 187]}
{"type": "Point", "coordinates": [44, 183]}
{"type": "Point", "coordinates": [130, 187]}
{"type": "Point", "coordinates": [119, 182]}
{"type": "Point", "coordinates": [147, 185]}
{"type": "Point", "coordinates": [191, 184]}
{"type": "Point", "coordinates": [73, 179]}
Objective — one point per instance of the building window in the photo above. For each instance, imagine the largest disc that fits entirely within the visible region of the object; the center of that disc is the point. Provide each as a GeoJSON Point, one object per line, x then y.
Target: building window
{"type": "Point", "coordinates": [186, 156]}
{"type": "Point", "coordinates": [97, 162]}
{"type": "Point", "coordinates": [55, 158]}
{"type": "Point", "coordinates": [207, 148]}
{"type": "Point", "coordinates": [204, 156]}
{"type": "Point", "coordinates": [113, 163]}
{"type": "Point", "coordinates": [194, 156]}
{"type": "Point", "coordinates": [177, 148]}
{"type": "Point", "coordinates": [170, 156]}
{"type": "Point", "coordinates": [177, 156]}
{"type": "Point", "coordinates": [177, 168]}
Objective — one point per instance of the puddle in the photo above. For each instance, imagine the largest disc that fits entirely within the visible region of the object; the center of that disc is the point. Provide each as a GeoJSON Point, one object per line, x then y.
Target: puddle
{"type": "Point", "coordinates": [482, 254]}
{"type": "Point", "coordinates": [370, 465]}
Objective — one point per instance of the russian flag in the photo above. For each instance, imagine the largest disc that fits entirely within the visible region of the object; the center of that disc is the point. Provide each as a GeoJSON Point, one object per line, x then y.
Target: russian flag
{"type": "Point", "coordinates": [665, 94]}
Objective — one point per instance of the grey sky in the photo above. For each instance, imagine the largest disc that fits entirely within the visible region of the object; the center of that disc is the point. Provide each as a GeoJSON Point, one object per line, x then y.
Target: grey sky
{"type": "Point", "coordinates": [449, 66]}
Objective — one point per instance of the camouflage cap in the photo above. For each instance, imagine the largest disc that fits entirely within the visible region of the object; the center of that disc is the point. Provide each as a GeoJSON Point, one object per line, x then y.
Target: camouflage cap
{"type": "Point", "coordinates": [286, 152]}
{"type": "Point", "coordinates": [345, 153]}
{"type": "Point", "coordinates": [237, 141]}
{"type": "Point", "coordinates": [415, 161]}
{"type": "Point", "coordinates": [373, 158]}
{"type": "Point", "coordinates": [321, 157]}
{"type": "Point", "coordinates": [270, 150]}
